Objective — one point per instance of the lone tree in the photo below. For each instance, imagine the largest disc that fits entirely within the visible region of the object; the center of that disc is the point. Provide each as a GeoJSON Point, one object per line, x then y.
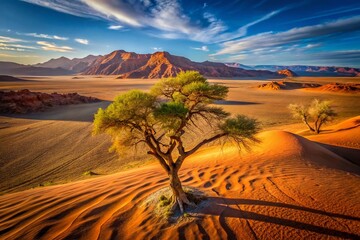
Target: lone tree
{"type": "Point", "coordinates": [319, 112]}
{"type": "Point", "coordinates": [165, 118]}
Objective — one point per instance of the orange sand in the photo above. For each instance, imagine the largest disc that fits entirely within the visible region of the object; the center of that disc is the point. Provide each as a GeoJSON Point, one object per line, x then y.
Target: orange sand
{"type": "Point", "coordinates": [287, 188]}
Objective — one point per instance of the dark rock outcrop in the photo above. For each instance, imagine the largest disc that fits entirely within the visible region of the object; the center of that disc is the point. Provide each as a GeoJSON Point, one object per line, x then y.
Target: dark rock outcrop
{"type": "Point", "coordinates": [25, 101]}
{"type": "Point", "coordinates": [287, 72]}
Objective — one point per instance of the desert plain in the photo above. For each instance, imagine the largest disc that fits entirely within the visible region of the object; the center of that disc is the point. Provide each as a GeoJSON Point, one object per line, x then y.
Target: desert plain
{"type": "Point", "coordinates": [57, 181]}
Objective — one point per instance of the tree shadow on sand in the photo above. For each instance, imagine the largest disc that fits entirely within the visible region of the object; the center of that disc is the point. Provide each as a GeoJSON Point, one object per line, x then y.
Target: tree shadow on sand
{"type": "Point", "coordinates": [230, 208]}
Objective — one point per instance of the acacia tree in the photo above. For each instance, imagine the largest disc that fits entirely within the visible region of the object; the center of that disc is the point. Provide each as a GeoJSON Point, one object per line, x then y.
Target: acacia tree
{"type": "Point", "coordinates": [320, 112]}
{"type": "Point", "coordinates": [163, 119]}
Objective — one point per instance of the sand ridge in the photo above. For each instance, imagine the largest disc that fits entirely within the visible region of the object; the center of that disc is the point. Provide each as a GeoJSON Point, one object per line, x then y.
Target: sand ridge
{"type": "Point", "coordinates": [288, 187]}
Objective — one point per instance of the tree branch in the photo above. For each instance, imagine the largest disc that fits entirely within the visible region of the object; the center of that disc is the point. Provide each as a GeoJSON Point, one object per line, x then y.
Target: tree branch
{"type": "Point", "coordinates": [184, 154]}
{"type": "Point", "coordinates": [161, 160]}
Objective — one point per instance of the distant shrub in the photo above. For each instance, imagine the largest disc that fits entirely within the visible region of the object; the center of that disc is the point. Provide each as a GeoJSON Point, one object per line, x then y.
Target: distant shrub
{"type": "Point", "coordinates": [318, 112]}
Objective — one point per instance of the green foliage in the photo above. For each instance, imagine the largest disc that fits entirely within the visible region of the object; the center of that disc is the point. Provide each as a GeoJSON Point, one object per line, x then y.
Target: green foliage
{"type": "Point", "coordinates": [241, 129]}
{"type": "Point", "coordinates": [189, 88]}
{"type": "Point", "coordinates": [129, 109]}
{"type": "Point", "coordinates": [170, 115]}
{"type": "Point", "coordinates": [203, 92]}
{"type": "Point", "coordinates": [319, 112]}
{"type": "Point", "coordinates": [124, 119]}
{"type": "Point", "coordinates": [167, 86]}
{"type": "Point", "coordinates": [188, 96]}
{"type": "Point", "coordinates": [164, 201]}
{"type": "Point", "coordinates": [240, 126]}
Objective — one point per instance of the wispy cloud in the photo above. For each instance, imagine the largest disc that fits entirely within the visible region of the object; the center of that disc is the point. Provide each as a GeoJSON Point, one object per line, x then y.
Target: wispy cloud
{"type": "Point", "coordinates": [157, 48]}
{"type": "Point", "coordinates": [349, 54]}
{"type": "Point", "coordinates": [292, 36]}
{"type": "Point", "coordinates": [166, 16]}
{"type": "Point", "coordinates": [7, 48]}
{"type": "Point", "coordinates": [115, 27]}
{"type": "Point", "coordinates": [53, 47]}
{"type": "Point", "coordinates": [328, 13]}
{"type": "Point", "coordinates": [76, 7]}
{"type": "Point", "coordinates": [12, 44]}
{"type": "Point", "coordinates": [15, 47]}
{"type": "Point", "coordinates": [298, 57]}
{"type": "Point", "coordinates": [203, 48]}
{"type": "Point", "coordinates": [260, 3]}
{"type": "Point", "coordinates": [46, 36]}
{"type": "Point", "coordinates": [82, 41]}
{"type": "Point", "coordinates": [4, 39]}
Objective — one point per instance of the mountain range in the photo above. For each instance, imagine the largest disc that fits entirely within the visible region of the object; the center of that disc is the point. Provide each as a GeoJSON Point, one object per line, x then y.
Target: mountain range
{"type": "Point", "coordinates": [163, 64]}
{"type": "Point", "coordinates": [11, 68]}
{"type": "Point", "coordinates": [76, 65]}
{"type": "Point", "coordinates": [304, 70]}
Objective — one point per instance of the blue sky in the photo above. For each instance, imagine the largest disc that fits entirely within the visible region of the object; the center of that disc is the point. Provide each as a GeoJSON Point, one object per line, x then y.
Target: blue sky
{"type": "Point", "coordinates": [245, 31]}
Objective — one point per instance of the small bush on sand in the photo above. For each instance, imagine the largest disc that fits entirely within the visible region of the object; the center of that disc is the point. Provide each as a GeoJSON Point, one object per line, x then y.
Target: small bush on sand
{"type": "Point", "coordinates": [318, 112]}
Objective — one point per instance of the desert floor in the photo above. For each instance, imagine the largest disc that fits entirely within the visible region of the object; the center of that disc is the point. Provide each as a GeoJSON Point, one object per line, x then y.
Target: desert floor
{"type": "Point", "coordinates": [288, 187]}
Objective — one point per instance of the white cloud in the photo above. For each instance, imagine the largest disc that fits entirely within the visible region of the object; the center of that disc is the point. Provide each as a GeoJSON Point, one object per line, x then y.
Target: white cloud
{"type": "Point", "coordinates": [157, 48]}
{"type": "Point", "coordinates": [18, 47]}
{"type": "Point", "coordinates": [12, 44]}
{"type": "Point", "coordinates": [9, 39]}
{"type": "Point", "coordinates": [115, 27]}
{"type": "Point", "coordinates": [166, 16]}
{"type": "Point", "coordinates": [46, 36]}
{"type": "Point", "coordinates": [203, 48]}
{"type": "Point", "coordinates": [312, 45]}
{"type": "Point", "coordinates": [295, 35]}
{"type": "Point", "coordinates": [59, 38]}
{"type": "Point", "coordinates": [116, 10]}
{"type": "Point", "coordinates": [53, 47]}
{"type": "Point", "coordinates": [82, 41]}
{"type": "Point", "coordinates": [6, 48]}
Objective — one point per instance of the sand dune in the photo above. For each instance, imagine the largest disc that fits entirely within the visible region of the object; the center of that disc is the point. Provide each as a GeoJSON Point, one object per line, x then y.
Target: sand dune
{"type": "Point", "coordinates": [353, 88]}
{"type": "Point", "coordinates": [287, 188]}
{"type": "Point", "coordinates": [342, 136]}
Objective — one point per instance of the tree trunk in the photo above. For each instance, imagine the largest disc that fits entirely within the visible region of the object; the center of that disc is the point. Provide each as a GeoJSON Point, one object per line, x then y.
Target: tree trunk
{"type": "Point", "coordinates": [319, 127]}
{"type": "Point", "coordinates": [179, 197]}
{"type": "Point", "coordinates": [308, 125]}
